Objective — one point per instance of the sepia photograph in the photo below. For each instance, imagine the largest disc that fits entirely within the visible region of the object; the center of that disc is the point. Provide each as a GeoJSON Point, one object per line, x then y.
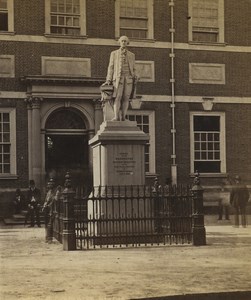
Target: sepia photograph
{"type": "Point", "coordinates": [125, 149]}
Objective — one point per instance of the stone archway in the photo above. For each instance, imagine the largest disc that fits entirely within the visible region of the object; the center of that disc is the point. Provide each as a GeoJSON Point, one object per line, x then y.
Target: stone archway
{"type": "Point", "coordinates": [66, 147]}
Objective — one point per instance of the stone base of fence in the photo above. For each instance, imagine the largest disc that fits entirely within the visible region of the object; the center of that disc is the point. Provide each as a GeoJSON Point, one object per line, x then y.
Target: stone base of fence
{"type": "Point", "coordinates": [199, 236]}
{"type": "Point", "coordinates": [127, 240]}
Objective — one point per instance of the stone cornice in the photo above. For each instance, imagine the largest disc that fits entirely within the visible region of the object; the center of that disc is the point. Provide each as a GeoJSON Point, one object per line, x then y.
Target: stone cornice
{"type": "Point", "coordinates": [222, 47]}
{"type": "Point", "coordinates": [41, 80]}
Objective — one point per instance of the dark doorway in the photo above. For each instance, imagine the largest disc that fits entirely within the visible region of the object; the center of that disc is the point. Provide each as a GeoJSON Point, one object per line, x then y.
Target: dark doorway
{"type": "Point", "coordinates": [66, 148]}
{"type": "Point", "coordinates": [67, 153]}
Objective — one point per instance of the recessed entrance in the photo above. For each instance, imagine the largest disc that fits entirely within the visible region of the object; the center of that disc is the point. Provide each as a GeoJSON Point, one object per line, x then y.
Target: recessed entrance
{"type": "Point", "coordinates": [66, 147]}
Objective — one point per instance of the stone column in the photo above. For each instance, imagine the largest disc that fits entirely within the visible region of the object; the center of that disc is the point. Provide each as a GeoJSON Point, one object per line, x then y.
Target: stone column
{"type": "Point", "coordinates": [198, 229]}
{"type": "Point", "coordinates": [36, 140]}
{"type": "Point", "coordinates": [43, 173]}
{"type": "Point", "coordinates": [29, 111]}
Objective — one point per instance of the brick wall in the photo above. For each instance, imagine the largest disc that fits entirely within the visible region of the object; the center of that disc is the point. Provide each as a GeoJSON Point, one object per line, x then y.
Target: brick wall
{"type": "Point", "coordinates": [237, 22]}
{"type": "Point", "coordinates": [100, 19]}
{"type": "Point", "coordinates": [181, 21]}
{"type": "Point", "coordinates": [238, 139]}
{"type": "Point", "coordinates": [183, 141]}
{"type": "Point", "coordinates": [161, 20]}
{"type": "Point", "coordinates": [237, 74]}
{"type": "Point", "coordinates": [99, 62]}
{"type": "Point", "coordinates": [29, 17]}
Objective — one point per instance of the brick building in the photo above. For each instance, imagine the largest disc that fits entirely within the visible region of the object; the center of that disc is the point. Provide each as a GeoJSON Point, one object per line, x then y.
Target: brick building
{"type": "Point", "coordinates": [194, 96]}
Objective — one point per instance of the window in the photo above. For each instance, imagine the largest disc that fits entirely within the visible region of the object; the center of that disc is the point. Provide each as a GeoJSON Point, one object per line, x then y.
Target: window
{"type": "Point", "coordinates": [208, 143]}
{"type": "Point", "coordinates": [6, 16]}
{"type": "Point", "coordinates": [134, 19]}
{"type": "Point", "coordinates": [65, 17]}
{"type": "Point", "coordinates": [145, 121]}
{"type": "Point", "coordinates": [207, 21]}
{"type": "Point", "coordinates": [7, 142]}
{"type": "Point", "coordinates": [3, 15]}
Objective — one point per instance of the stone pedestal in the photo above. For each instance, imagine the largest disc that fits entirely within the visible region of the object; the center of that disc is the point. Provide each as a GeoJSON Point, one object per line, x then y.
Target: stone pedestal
{"type": "Point", "coordinates": [118, 171]}
{"type": "Point", "coordinates": [118, 154]}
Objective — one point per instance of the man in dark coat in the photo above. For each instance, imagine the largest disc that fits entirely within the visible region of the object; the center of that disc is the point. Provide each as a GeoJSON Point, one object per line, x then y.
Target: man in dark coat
{"type": "Point", "coordinates": [238, 198]}
{"type": "Point", "coordinates": [34, 203]}
{"type": "Point", "coordinates": [18, 201]}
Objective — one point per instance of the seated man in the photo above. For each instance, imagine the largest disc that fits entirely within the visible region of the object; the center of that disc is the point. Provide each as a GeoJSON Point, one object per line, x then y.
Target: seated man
{"type": "Point", "coordinates": [18, 201]}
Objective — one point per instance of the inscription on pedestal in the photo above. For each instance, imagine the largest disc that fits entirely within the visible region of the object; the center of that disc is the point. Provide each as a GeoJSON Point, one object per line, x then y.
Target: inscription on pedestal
{"type": "Point", "coordinates": [124, 164]}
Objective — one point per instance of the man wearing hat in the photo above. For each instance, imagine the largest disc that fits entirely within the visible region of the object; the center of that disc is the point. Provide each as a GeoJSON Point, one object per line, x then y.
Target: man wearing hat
{"type": "Point", "coordinates": [34, 202]}
{"type": "Point", "coordinates": [238, 198]}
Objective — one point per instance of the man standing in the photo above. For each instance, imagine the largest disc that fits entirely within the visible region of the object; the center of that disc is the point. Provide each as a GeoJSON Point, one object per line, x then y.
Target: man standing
{"type": "Point", "coordinates": [121, 74]}
{"type": "Point", "coordinates": [52, 195]}
{"type": "Point", "coordinates": [34, 202]}
{"type": "Point", "coordinates": [224, 201]}
{"type": "Point", "coordinates": [238, 198]}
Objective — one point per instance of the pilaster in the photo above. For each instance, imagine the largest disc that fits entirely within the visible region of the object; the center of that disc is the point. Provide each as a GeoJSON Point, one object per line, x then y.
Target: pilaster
{"type": "Point", "coordinates": [34, 131]}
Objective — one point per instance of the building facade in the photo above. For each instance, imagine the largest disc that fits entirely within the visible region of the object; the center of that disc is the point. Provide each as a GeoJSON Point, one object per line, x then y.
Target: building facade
{"type": "Point", "coordinates": [193, 58]}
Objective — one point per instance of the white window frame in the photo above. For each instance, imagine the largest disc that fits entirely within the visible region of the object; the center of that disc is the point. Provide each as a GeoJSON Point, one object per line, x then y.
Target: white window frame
{"type": "Point", "coordinates": [151, 116]}
{"type": "Point", "coordinates": [82, 20]}
{"type": "Point", "coordinates": [13, 157]}
{"type": "Point", "coordinates": [220, 22]}
{"type": "Point", "coordinates": [10, 8]}
{"type": "Point", "coordinates": [222, 140]}
{"type": "Point", "coordinates": [150, 19]}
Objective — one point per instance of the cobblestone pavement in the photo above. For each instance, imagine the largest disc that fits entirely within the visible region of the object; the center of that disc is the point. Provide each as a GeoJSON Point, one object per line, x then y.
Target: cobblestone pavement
{"type": "Point", "coordinates": [32, 269]}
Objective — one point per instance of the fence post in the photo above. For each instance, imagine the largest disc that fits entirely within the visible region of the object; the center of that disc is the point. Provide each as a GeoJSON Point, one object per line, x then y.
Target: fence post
{"type": "Point", "coordinates": [69, 235]}
{"type": "Point", "coordinates": [198, 229]}
{"type": "Point", "coordinates": [157, 188]}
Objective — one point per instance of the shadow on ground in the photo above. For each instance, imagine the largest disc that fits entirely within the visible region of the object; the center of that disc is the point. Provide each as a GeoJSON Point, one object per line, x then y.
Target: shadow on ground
{"type": "Point", "coordinates": [239, 295]}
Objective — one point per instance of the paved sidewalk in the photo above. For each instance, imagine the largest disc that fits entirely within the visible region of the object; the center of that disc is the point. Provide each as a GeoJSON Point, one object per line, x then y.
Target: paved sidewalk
{"type": "Point", "coordinates": [32, 269]}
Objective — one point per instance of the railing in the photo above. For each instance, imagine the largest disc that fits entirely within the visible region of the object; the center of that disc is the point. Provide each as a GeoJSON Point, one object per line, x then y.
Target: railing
{"type": "Point", "coordinates": [123, 216]}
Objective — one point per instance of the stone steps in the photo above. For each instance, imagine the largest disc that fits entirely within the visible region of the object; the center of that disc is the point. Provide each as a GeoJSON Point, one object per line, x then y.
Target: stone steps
{"type": "Point", "coordinates": [19, 219]}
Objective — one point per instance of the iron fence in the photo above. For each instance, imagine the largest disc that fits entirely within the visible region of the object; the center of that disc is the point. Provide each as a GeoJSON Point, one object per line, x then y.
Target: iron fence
{"type": "Point", "coordinates": [124, 216]}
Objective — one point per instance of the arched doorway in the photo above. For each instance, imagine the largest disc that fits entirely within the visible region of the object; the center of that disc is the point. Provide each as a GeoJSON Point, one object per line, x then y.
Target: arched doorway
{"type": "Point", "coordinates": [66, 147]}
